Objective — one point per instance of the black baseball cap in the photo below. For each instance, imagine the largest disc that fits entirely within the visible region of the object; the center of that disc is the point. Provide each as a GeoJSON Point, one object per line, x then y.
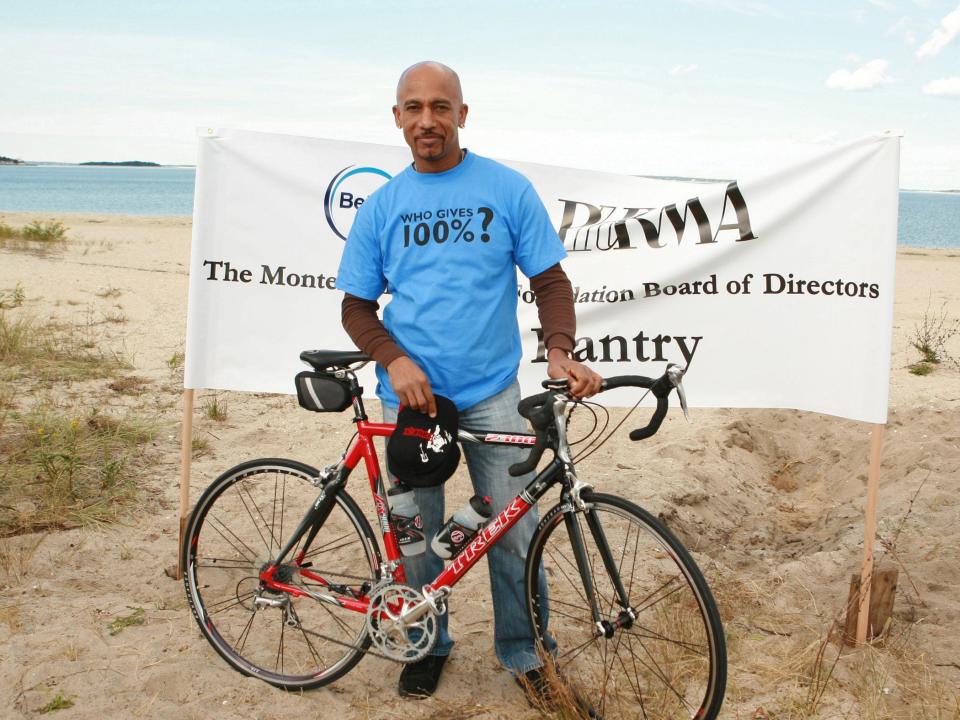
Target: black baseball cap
{"type": "Point", "coordinates": [423, 450]}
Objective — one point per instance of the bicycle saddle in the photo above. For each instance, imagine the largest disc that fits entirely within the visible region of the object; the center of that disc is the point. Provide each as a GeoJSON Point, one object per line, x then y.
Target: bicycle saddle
{"type": "Point", "coordinates": [323, 360]}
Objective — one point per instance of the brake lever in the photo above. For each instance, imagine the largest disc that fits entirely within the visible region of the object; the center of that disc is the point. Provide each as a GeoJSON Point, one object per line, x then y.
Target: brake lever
{"type": "Point", "coordinates": [675, 375]}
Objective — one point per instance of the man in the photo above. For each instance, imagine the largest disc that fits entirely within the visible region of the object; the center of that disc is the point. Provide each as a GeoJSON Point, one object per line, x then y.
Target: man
{"type": "Point", "coordinates": [445, 237]}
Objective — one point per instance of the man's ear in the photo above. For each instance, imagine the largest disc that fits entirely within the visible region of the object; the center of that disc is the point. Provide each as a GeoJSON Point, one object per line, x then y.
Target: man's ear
{"type": "Point", "coordinates": [463, 115]}
{"type": "Point", "coordinates": [396, 115]}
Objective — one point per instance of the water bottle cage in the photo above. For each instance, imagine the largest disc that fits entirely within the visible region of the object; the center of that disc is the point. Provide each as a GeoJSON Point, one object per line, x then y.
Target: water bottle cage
{"type": "Point", "coordinates": [409, 529]}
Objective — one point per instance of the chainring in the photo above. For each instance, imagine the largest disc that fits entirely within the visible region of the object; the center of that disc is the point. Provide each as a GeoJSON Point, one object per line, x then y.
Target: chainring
{"type": "Point", "coordinates": [404, 641]}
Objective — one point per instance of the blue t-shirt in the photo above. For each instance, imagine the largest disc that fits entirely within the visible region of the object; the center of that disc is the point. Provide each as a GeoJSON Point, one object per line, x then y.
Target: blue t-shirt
{"type": "Point", "coordinates": [446, 246]}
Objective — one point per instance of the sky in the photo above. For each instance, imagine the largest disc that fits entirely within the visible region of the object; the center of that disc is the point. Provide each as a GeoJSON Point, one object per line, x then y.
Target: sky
{"type": "Point", "coordinates": [702, 88]}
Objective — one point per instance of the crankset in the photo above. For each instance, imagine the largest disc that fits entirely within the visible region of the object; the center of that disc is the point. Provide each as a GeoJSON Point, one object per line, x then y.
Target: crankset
{"type": "Point", "coordinates": [401, 622]}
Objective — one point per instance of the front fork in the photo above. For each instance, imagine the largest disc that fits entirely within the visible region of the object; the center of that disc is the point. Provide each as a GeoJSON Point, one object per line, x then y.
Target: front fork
{"type": "Point", "coordinates": [603, 626]}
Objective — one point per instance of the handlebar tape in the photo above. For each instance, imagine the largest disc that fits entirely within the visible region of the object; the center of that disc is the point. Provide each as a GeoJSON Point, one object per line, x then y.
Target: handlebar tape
{"type": "Point", "coordinates": [539, 411]}
{"type": "Point", "coordinates": [661, 388]}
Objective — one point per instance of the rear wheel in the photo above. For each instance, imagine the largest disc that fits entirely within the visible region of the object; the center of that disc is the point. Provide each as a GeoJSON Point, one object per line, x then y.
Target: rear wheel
{"type": "Point", "coordinates": [660, 654]}
{"type": "Point", "coordinates": [237, 527]}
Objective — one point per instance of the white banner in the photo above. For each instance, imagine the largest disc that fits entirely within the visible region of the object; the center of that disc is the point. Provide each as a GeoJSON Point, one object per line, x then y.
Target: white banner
{"type": "Point", "coordinates": [777, 291]}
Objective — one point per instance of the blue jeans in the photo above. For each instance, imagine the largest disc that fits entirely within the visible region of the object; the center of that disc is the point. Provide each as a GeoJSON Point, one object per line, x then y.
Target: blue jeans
{"type": "Point", "coordinates": [513, 640]}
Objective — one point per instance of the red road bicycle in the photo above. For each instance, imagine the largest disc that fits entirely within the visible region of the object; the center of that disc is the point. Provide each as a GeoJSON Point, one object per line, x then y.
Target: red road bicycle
{"type": "Point", "coordinates": [289, 584]}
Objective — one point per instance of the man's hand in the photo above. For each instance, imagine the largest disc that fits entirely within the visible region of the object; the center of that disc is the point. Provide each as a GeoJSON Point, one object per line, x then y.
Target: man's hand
{"type": "Point", "coordinates": [584, 382]}
{"type": "Point", "coordinates": [411, 385]}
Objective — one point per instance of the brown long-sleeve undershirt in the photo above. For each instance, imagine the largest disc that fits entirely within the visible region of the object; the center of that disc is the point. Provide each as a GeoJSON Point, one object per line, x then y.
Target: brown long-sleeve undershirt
{"type": "Point", "coordinates": [554, 298]}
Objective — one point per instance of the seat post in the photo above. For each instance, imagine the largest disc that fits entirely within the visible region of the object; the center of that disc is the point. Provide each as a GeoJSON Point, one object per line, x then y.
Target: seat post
{"type": "Point", "coordinates": [360, 414]}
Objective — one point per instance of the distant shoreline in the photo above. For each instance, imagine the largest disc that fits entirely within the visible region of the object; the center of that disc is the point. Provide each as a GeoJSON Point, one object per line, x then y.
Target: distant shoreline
{"type": "Point", "coordinates": [124, 164]}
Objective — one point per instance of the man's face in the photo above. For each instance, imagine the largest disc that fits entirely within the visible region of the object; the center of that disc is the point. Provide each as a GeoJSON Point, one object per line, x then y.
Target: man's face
{"type": "Point", "coordinates": [430, 110]}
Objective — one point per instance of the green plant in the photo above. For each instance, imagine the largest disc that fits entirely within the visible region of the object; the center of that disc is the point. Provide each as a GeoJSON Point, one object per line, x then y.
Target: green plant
{"type": "Point", "coordinates": [175, 361]}
{"type": "Point", "coordinates": [930, 338]}
{"type": "Point", "coordinates": [14, 298]}
{"type": "Point", "coordinates": [137, 617]}
{"type": "Point", "coordinates": [200, 446]}
{"type": "Point", "coordinates": [920, 368]}
{"type": "Point", "coordinates": [37, 237]}
{"type": "Point", "coordinates": [215, 408]}
{"type": "Point", "coordinates": [59, 702]}
{"type": "Point", "coordinates": [46, 232]}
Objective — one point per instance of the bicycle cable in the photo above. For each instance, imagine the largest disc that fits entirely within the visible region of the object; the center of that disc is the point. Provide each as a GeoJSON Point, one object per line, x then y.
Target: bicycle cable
{"type": "Point", "coordinates": [586, 435]}
{"type": "Point", "coordinates": [588, 451]}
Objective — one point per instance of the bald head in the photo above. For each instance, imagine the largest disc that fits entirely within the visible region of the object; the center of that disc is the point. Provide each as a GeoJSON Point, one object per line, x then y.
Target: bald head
{"type": "Point", "coordinates": [429, 68]}
{"type": "Point", "coordinates": [430, 111]}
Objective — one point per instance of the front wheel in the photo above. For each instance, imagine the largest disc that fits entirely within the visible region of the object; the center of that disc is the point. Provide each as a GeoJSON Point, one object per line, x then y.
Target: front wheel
{"type": "Point", "coordinates": [647, 642]}
{"type": "Point", "coordinates": [236, 529]}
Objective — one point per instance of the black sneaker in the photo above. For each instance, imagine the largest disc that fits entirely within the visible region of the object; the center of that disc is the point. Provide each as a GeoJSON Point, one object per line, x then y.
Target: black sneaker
{"type": "Point", "coordinates": [546, 690]}
{"type": "Point", "coordinates": [419, 679]}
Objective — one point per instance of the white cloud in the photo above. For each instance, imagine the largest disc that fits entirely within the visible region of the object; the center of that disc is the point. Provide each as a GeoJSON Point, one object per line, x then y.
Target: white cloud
{"type": "Point", "coordinates": [905, 29]}
{"type": "Point", "coordinates": [942, 36]}
{"type": "Point", "coordinates": [683, 69]}
{"type": "Point", "coordinates": [852, 58]}
{"type": "Point", "coordinates": [867, 76]}
{"type": "Point", "coordinates": [882, 4]}
{"type": "Point", "coordinates": [944, 86]}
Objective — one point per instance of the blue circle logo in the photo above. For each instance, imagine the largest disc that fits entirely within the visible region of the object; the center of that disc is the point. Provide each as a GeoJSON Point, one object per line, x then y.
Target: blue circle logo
{"type": "Point", "coordinates": [346, 192]}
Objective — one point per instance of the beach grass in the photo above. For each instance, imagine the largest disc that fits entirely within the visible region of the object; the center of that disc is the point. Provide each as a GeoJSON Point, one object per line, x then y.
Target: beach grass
{"type": "Point", "coordinates": [63, 465]}
{"type": "Point", "coordinates": [64, 468]}
{"type": "Point", "coordinates": [55, 351]}
{"type": "Point", "coordinates": [38, 236]}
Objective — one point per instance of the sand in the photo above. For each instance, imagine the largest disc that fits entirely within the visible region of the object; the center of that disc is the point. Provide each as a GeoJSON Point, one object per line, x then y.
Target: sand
{"type": "Point", "coordinates": [771, 501]}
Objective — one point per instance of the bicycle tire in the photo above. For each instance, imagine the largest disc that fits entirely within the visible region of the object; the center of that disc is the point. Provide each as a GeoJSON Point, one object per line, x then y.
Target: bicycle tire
{"type": "Point", "coordinates": [229, 538]}
{"type": "Point", "coordinates": [671, 660]}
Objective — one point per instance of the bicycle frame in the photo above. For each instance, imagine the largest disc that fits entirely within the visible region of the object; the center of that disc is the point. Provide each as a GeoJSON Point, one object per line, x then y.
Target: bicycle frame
{"type": "Point", "coordinates": [362, 448]}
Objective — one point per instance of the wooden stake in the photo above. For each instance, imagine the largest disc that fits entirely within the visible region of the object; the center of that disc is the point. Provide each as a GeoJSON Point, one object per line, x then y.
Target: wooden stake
{"type": "Point", "coordinates": [869, 531]}
{"type": "Point", "coordinates": [883, 591]}
{"type": "Point", "coordinates": [186, 453]}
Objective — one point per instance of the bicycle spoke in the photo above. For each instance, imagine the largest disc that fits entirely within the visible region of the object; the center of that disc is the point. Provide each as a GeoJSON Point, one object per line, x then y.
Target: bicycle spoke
{"type": "Point", "coordinates": [631, 677]}
{"type": "Point", "coordinates": [224, 563]}
{"type": "Point", "coordinates": [246, 632]}
{"type": "Point", "coordinates": [576, 618]}
{"type": "Point", "coordinates": [658, 671]}
{"type": "Point", "coordinates": [313, 650]}
{"type": "Point", "coordinates": [233, 601]}
{"type": "Point", "coordinates": [255, 526]}
{"type": "Point", "coordinates": [575, 585]}
{"type": "Point", "coordinates": [577, 650]}
{"type": "Point", "coordinates": [273, 515]}
{"type": "Point", "coordinates": [568, 604]}
{"type": "Point", "coordinates": [220, 526]}
{"type": "Point", "coordinates": [648, 602]}
{"type": "Point", "coordinates": [278, 665]}
{"type": "Point", "coordinates": [283, 504]}
{"type": "Point", "coordinates": [653, 635]}
{"type": "Point", "coordinates": [338, 620]}
{"type": "Point", "coordinates": [326, 548]}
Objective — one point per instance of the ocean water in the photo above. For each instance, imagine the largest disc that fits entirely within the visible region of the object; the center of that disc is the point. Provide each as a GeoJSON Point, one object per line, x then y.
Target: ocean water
{"type": "Point", "coordinates": [926, 219]}
{"type": "Point", "coordinates": [91, 189]}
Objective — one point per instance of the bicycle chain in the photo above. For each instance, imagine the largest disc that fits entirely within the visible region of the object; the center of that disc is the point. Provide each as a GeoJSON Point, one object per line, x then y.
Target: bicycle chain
{"type": "Point", "coordinates": [365, 651]}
